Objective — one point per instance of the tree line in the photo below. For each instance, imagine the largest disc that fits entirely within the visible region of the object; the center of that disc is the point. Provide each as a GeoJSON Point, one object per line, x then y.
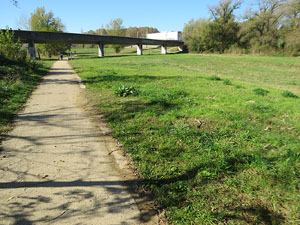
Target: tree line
{"type": "Point", "coordinates": [274, 25]}
{"type": "Point", "coordinates": [115, 28]}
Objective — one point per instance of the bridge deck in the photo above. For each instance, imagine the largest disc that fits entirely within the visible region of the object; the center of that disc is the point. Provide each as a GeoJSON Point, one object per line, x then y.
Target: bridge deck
{"type": "Point", "coordinates": [51, 37]}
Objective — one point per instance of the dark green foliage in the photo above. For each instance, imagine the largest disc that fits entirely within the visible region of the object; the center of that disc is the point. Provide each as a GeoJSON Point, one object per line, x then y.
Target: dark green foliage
{"type": "Point", "coordinates": [117, 48]}
{"type": "Point", "coordinates": [10, 49]}
{"type": "Point", "coordinates": [289, 94]}
{"type": "Point", "coordinates": [260, 91]}
{"type": "Point", "coordinates": [216, 35]}
{"type": "Point", "coordinates": [271, 26]}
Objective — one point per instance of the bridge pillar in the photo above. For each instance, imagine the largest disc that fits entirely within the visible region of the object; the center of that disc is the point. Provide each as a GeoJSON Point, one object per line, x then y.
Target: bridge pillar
{"type": "Point", "coordinates": [183, 48]}
{"type": "Point", "coordinates": [101, 50]}
{"type": "Point", "coordinates": [139, 49]}
{"type": "Point", "coordinates": [31, 50]}
{"type": "Point", "coordinates": [163, 49]}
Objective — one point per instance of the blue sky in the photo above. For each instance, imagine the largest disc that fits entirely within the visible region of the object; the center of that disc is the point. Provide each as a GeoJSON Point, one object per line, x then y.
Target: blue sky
{"type": "Point", "coordinates": [77, 16]}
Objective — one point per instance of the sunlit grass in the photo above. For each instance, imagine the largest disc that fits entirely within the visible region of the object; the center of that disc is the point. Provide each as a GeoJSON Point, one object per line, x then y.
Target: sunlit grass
{"type": "Point", "coordinates": [212, 135]}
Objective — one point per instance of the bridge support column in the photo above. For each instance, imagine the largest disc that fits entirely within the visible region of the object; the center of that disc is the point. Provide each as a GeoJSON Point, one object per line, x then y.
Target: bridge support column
{"type": "Point", "coordinates": [101, 50]}
{"type": "Point", "coordinates": [31, 50]}
{"type": "Point", "coordinates": [163, 49]}
{"type": "Point", "coordinates": [139, 49]}
{"type": "Point", "coordinates": [183, 48]}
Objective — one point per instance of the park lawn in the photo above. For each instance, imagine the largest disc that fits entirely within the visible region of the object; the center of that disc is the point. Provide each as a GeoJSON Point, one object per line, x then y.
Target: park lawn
{"type": "Point", "coordinates": [216, 138]}
{"type": "Point", "coordinates": [15, 91]}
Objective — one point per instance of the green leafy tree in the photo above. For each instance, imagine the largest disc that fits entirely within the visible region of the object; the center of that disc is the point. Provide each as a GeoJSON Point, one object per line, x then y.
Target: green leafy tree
{"type": "Point", "coordinates": [115, 28]}
{"type": "Point", "coordinates": [201, 35]}
{"type": "Point", "coordinates": [140, 32]}
{"type": "Point", "coordinates": [260, 31]}
{"type": "Point", "coordinates": [41, 20]}
{"type": "Point", "coordinates": [290, 28]}
{"type": "Point", "coordinates": [225, 25]}
{"type": "Point", "coordinates": [213, 35]}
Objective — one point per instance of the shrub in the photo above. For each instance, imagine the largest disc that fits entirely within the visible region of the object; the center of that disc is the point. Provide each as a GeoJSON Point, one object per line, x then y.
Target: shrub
{"type": "Point", "coordinates": [260, 91]}
{"type": "Point", "coordinates": [289, 94]}
{"type": "Point", "coordinates": [11, 49]}
{"type": "Point", "coordinates": [124, 91]}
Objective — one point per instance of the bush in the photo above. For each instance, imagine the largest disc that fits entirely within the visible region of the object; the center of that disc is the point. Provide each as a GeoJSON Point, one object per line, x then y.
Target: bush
{"type": "Point", "coordinates": [124, 91]}
{"type": "Point", "coordinates": [14, 64]}
{"type": "Point", "coordinates": [11, 49]}
{"type": "Point", "coordinates": [289, 94]}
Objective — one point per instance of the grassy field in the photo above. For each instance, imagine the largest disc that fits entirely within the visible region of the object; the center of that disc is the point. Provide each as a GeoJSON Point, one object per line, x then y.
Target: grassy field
{"type": "Point", "coordinates": [215, 137]}
{"type": "Point", "coordinates": [16, 86]}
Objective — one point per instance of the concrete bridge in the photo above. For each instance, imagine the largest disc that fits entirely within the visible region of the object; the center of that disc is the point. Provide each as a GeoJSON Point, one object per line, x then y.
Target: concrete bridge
{"type": "Point", "coordinates": [32, 37]}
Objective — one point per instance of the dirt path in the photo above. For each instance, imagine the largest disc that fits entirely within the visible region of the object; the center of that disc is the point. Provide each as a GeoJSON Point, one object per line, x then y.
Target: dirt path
{"type": "Point", "coordinates": [54, 167]}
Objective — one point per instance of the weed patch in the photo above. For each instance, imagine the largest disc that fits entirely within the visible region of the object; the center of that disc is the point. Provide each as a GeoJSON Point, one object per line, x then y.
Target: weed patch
{"type": "Point", "coordinates": [260, 91]}
{"type": "Point", "coordinates": [125, 91]}
{"type": "Point", "coordinates": [261, 108]}
{"type": "Point", "coordinates": [289, 94]}
{"type": "Point", "coordinates": [214, 77]}
{"type": "Point", "coordinates": [227, 82]}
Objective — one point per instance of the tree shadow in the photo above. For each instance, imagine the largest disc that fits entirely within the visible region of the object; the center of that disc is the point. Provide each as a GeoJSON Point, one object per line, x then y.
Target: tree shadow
{"type": "Point", "coordinates": [114, 78]}
{"type": "Point", "coordinates": [21, 209]}
{"type": "Point", "coordinates": [257, 214]}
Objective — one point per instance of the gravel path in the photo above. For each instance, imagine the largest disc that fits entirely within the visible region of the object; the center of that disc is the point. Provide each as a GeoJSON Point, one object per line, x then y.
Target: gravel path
{"type": "Point", "coordinates": [54, 167]}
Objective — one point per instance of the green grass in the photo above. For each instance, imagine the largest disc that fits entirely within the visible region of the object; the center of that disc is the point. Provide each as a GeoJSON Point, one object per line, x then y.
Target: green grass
{"type": "Point", "coordinates": [212, 151]}
{"type": "Point", "coordinates": [16, 86]}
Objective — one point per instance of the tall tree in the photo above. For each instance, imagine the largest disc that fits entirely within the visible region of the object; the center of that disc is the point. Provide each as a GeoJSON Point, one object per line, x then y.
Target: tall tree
{"type": "Point", "coordinates": [224, 19]}
{"type": "Point", "coordinates": [290, 27]}
{"type": "Point", "coordinates": [260, 30]}
{"type": "Point", "coordinates": [41, 20]}
{"type": "Point", "coordinates": [216, 34]}
{"type": "Point", "coordinates": [115, 28]}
